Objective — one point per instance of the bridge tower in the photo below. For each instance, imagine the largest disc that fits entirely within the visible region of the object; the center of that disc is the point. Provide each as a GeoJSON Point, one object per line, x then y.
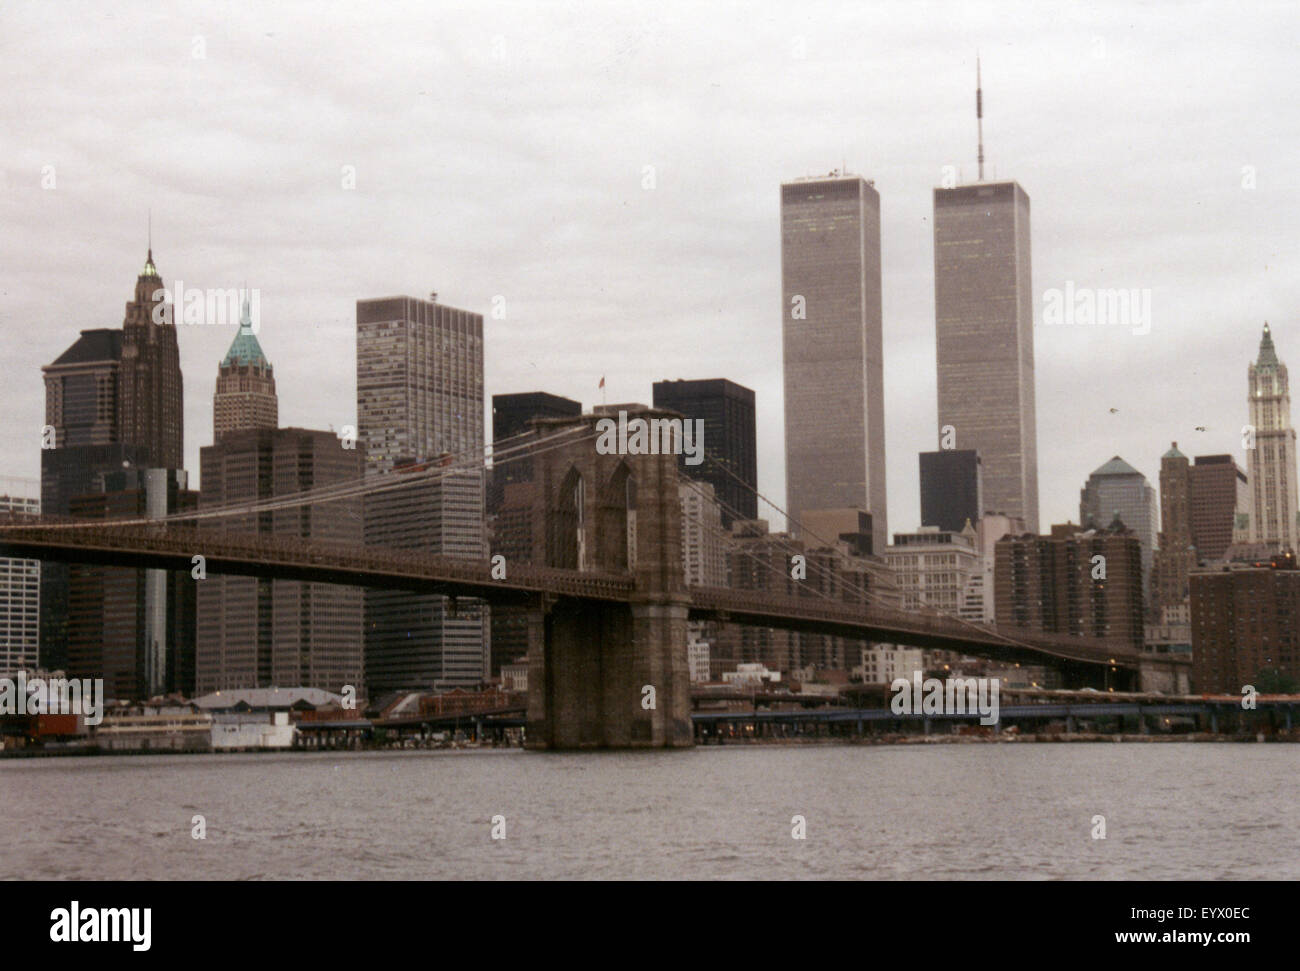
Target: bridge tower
{"type": "Point", "coordinates": [610, 675]}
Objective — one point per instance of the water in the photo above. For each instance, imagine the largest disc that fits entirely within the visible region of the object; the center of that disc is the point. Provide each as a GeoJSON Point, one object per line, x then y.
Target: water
{"type": "Point", "coordinates": [1173, 811]}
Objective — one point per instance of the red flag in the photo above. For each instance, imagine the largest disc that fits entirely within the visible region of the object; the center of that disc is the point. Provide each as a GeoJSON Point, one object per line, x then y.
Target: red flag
{"type": "Point", "coordinates": [602, 381]}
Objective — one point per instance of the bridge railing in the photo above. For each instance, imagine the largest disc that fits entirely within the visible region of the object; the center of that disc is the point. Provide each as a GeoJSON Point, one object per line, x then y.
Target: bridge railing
{"type": "Point", "coordinates": [273, 550]}
{"type": "Point", "coordinates": [728, 600]}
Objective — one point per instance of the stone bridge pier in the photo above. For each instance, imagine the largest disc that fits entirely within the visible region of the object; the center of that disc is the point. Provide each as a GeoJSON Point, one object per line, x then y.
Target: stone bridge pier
{"type": "Point", "coordinates": [609, 674]}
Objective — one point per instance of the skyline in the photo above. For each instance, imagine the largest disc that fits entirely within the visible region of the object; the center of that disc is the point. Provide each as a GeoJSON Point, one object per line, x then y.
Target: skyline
{"type": "Point", "coordinates": [723, 263]}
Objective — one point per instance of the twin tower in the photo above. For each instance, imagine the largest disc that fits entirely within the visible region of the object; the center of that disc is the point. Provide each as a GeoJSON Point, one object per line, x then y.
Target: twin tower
{"type": "Point", "coordinates": [834, 364]}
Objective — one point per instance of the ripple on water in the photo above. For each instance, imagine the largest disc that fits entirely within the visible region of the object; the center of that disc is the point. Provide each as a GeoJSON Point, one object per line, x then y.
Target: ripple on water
{"type": "Point", "coordinates": [1174, 811]}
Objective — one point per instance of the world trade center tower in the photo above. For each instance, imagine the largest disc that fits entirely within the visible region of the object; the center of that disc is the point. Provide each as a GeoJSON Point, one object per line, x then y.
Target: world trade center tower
{"type": "Point", "coordinates": [984, 335]}
{"type": "Point", "coordinates": [833, 363]}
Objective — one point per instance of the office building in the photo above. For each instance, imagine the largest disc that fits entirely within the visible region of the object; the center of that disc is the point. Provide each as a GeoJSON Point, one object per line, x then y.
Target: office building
{"type": "Point", "coordinates": [933, 567]}
{"type": "Point", "coordinates": [1219, 493]}
{"type": "Point", "coordinates": [133, 627]}
{"type": "Point", "coordinates": [952, 489]}
{"type": "Point", "coordinates": [1176, 556]}
{"type": "Point", "coordinates": [984, 338]}
{"type": "Point", "coordinates": [420, 397]}
{"type": "Point", "coordinates": [833, 358]}
{"type": "Point", "coordinates": [1245, 628]}
{"type": "Point", "coordinates": [1273, 517]}
{"type": "Point", "coordinates": [419, 641]}
{"type": "Point", "coordinates": [419, 380]}
{"type": "Point", "coordinates": [730, 440]}
{"type": "Point", "coordinates": [1053, 584]}
{"type": "Point", "coordinates": [263, 632]}
{"type": "Point", "coordinates": [1118, 489]}
{"type": "Point", "coordinates": [20, 585]}
{"type": "Point", "coordinates": [113, 400]}
{"type": "Point", "coordinates": [511, 414]}
{"type": "Point", "coordinates": [245, 396]}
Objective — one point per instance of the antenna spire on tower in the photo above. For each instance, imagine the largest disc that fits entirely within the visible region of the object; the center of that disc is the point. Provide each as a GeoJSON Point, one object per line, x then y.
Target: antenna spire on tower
{"type": "Point", "coordinates": [979, 113]}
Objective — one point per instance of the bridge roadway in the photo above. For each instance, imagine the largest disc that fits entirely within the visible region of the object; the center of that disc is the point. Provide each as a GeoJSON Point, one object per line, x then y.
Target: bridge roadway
{"type": "Point", "coordinates": [173, 547]}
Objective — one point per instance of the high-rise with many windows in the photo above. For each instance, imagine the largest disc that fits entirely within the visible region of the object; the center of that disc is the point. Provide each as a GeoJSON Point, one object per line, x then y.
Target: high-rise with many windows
{"type": "Point", "coordinates": [730, 440]}
{"type": "Point", "coordinates": [984, 330]}
{"type": "Point", "coordinates": [419, 398]}
{"type": "Point", "coordinates": [113, 400]}
{"type": "Point", "coordinates": [262, 632]}
{"type": "Point", "coordinates": [245, 395]}
{"type": "Point", "coordinates": [831, 338]}
{"type": "Point", "coordinates": [1118, 489]}
{"type": "Point", "coordinates": [419, 380]}
{"type": "Point", "coordinates": [1273, 518]}
{"type": "Point", "coordinates": [20, 585]}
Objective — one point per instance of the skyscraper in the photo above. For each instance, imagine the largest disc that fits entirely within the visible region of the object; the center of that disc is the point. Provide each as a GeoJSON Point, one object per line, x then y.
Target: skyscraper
{"type": "Point", "coordinates": [133, 627]}
{"type": "Point", "coordinates": [1118, 489]}
{"type": "Point", "coordinates": [1273, 457]}
{"type": "Point", "coordinates": [1219, 493]}
{"type": "Point", "coordinates": [260, 632]}
{"type": "Point", "coordinates": [419, 380]}
{"type": "Point", "coordinates": [730, 440]}
{"type": "Point", "coordinates": [1244, 628]}
{"type": "Point", "coordinates": [113, 400]}
{"type": "Point", "coordinates": [420, 396]}
{"type": "Point", "coordinates": [952, 489]}
{"type": "Point", "coordinates": [984, 338]}
{"type": "Point", "coordinates": [20, 585]}
{"type": "Point", "coordinates": [418, 641]}
{"type": "Point", "coordinates": [511, 414]}
{"type": "Point", "coordinates": [245, 395]}
{"type": "Point", "coordinates": [1048, 583]}
{"type": "Point", "coordinates": [151, 405]}
{"type": "Point", "coordinates": [1176, 556]}
{"type": "Point", "coordinates": [831, 338]}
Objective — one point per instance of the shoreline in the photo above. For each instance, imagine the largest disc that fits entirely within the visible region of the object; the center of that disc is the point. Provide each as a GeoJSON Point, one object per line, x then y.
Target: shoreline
{"type": "Point", "coordinates": [1004, 738]}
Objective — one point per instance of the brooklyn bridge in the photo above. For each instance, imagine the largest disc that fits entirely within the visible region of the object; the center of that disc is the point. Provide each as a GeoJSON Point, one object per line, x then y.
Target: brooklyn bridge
{"type": "Point", "coordinates": [604, 590]}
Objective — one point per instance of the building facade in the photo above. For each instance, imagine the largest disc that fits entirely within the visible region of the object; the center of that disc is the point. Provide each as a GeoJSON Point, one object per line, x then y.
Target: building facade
{"type": "Point", "coordinates": [952, 489]}
{"type": "Point", "coordinates": [984, 329]}
{"type": "Point", "coordinates": [511, 414]}
{"type": "Point", "coordinates": [113, 400]}
{"type": "Point", "coordinates": [1244, 628]}
{"type": "Point", "coordinates": [420, 398]}
{"type": "Point", "coordinates": [730, 463]}
{"type": "Point", "coordinates": [20, 585]}
{"type": "Point", "coordinates": [263, 632]}
{"type": "Point", "coordinates": [419, 380]}
{"type": "Point", "coordinates": [832, 348]}
{"type": "Point", "coordinates": [245, 396]}
{"type": "Point", "coordinates": [419, 641]}
{"type": "Point", "coordinates": [1273, 516]}
{"type": "Point", "coordinates": [1118, 489]}
{"type": "Point", "coordinates": [1219, 493]}
{"type": "Point", "coordinates": [1084, 583]}
{"type": "Point", "coordinates": [134, 628]}
{"type": "Point", "coordinates": [934, 567]}
{"type": "Point", "coordinates": [1176, 556]}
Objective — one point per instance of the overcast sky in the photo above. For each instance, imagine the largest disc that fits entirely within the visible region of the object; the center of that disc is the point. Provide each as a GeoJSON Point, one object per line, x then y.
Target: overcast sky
{"type": "Point", "coordinates": [501, 149]}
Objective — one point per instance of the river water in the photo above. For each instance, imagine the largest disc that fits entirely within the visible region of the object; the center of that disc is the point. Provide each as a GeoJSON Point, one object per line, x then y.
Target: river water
{"type": "Point", "coordinates": [1020, 811]}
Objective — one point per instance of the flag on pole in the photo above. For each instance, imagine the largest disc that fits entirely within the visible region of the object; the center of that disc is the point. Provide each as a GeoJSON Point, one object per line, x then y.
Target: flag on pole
{"type": "Point", "coordinates": [602, 381]}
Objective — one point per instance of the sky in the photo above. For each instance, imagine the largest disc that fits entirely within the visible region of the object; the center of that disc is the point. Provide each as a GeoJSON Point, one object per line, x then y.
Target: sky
{"type": "Point", "coordinates": [608, 174]}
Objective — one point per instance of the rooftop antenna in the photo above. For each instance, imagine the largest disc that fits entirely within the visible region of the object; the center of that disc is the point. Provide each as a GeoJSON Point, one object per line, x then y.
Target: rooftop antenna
{"type": "Point", "coordinates": [979, 112]}
{"type": "Point", "coordinates": [150, 233]}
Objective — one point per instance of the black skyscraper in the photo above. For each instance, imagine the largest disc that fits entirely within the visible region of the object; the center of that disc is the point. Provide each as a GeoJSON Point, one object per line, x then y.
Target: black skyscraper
{"type": "Point", "coordinates": [730, 439]}
{"type": "Point", "coordinates": [114, 402]}
{"type": "Point", "coordinates": [511, 414]}
{"type": "Point", "coordinates": [951, 489]}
